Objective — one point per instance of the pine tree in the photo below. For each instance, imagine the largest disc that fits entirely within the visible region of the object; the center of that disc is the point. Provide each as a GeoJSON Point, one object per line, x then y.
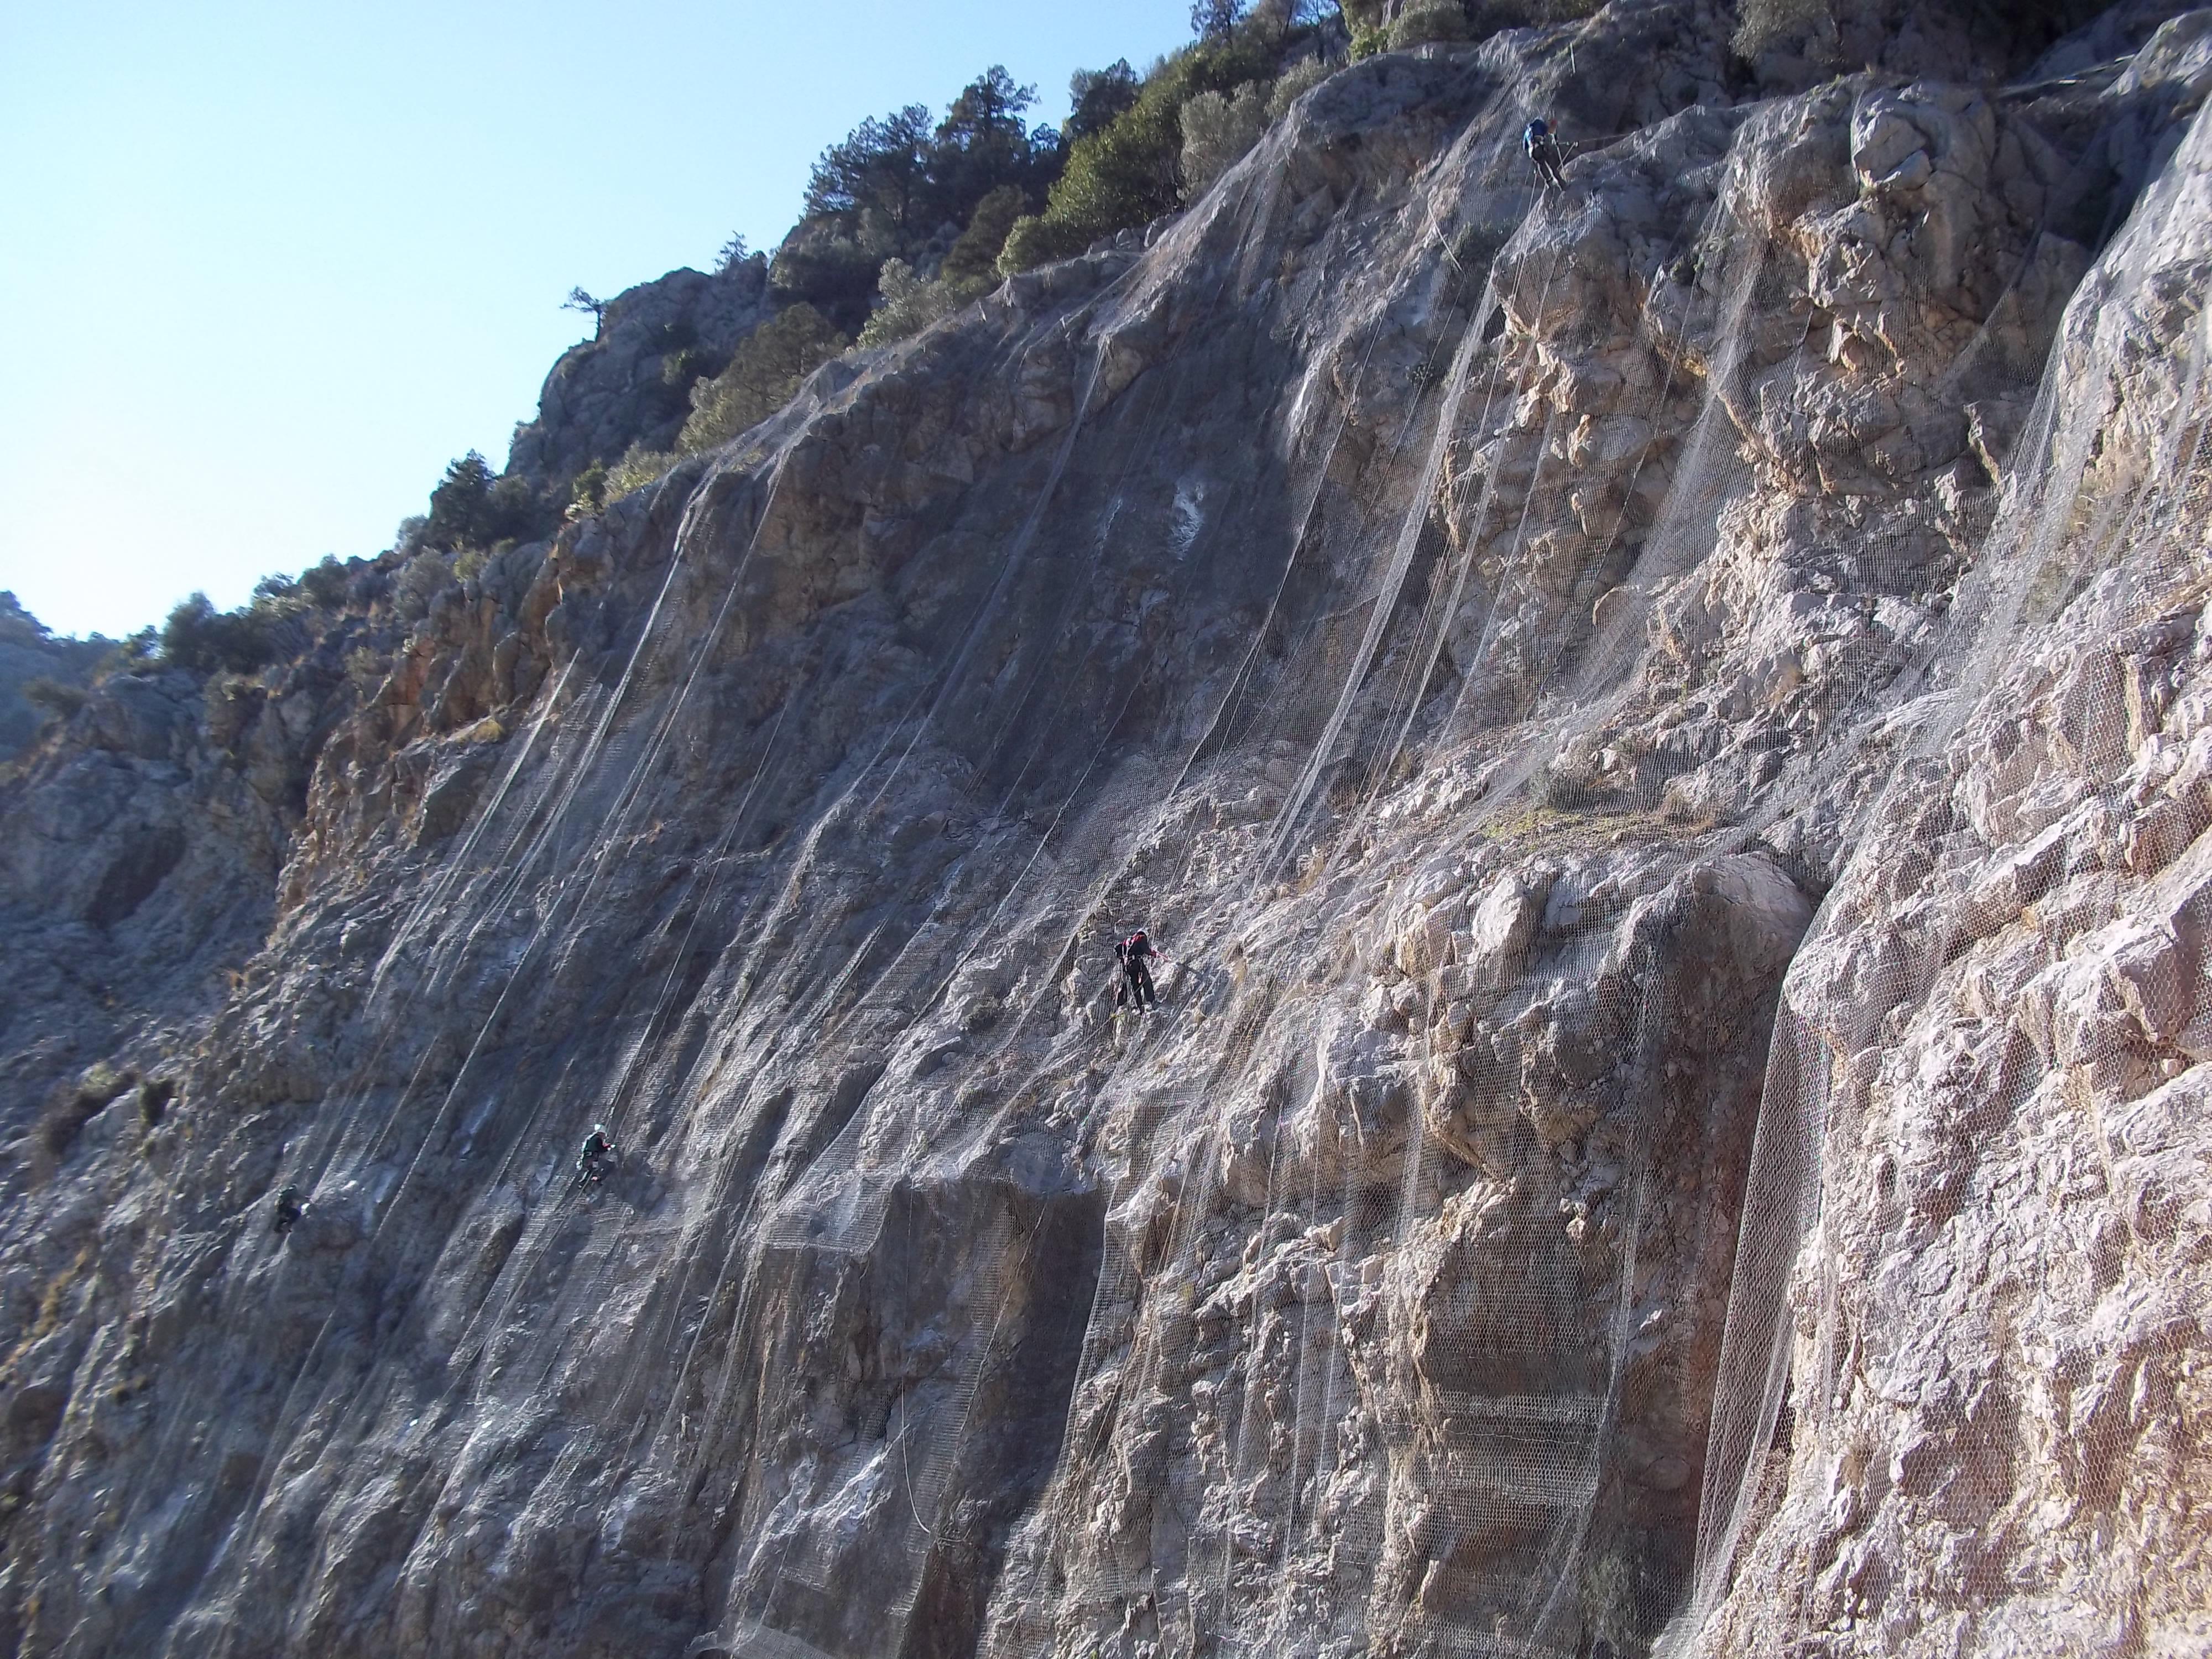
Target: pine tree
{"type": "Point", "coordinates": [1212, 19]}
{"type": "Point", "coordinates": [460, 507]}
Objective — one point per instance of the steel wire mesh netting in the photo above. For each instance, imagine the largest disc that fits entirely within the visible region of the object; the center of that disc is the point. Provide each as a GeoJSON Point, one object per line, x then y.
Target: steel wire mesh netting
{"type": "Point", "coordinates": [530, 916]}
{"type": "Point", "coordinates": [1510, 1480]}
{"type": "Point", "coordinates": [1497, 1437]}
{"type": "Point", "coordinates": [1401, 1262]}
{"type": "Point", "coordinates": [2101, 533]}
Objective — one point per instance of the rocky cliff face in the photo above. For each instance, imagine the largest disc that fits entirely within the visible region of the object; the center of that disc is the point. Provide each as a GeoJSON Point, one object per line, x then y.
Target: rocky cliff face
{"type": "Point", "coordinates": [628, 383]}
{"type": "Point", "coordinates": [1660, 729]}
{"type": "Point", "coordinates": [30, 653]}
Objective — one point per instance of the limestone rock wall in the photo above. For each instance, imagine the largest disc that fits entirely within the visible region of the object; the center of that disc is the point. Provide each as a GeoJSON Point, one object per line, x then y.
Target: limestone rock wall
{"type": "Point", "coordinates": [1656, 728]}
{"type": "Point", "coordinates": [629, 382]}
{"type": "Point", "coordinates": [30, 653]}
{"type": "Point", "coordinates": [1983, 1098]}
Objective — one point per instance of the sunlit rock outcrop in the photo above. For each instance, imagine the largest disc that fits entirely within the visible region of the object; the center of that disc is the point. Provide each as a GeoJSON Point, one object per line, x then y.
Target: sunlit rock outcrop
{"type": "Point", "coordinates": [1659, 726]}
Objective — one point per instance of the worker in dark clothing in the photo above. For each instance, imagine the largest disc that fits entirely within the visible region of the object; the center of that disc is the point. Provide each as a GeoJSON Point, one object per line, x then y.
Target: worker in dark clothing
{"type": "Point", "coordinates": [1543, 149]}
{"type": "Point", "coordinates": [289, 1207]}
{"type": "Point", "coordinates": [592, 1161]}
{"type": "Point", "coordinates": [1135, 953]}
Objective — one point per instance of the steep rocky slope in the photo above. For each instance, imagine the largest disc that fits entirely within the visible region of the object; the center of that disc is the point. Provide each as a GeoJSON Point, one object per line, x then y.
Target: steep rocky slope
{"type": "Point", "coordinates": [1663, 729]}
{"type": "Point", "coordinates": [628, 383]}
{"type": "Point", "coordinates": [29, 653]}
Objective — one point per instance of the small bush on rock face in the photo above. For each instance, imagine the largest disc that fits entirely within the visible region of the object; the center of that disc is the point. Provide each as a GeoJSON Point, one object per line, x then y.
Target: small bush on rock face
{"type": "Point", "coordinates": [1131, 172]}
{"type": "Point", "coordinates": [1427, 20]}
{"type": "Point", "coordinates": [325, 584]}
{"type": "Point", "coordinates": [910, 305]}
{"type": "Point", "coordinates": [1448, 21]}
{"type": "Point", "coordinates": [198, 637]}
{"type": "Point", "coordinates": [588, 489]}
{"type": "Point", "coordinates": [763, 372]}
{"type": "Point", "coordinates": [53, 1298]}
{"type": "Point", "coordinates": [1033, 242]}
{"type": "Point", "coordinates": [473, 507]}
{"type": "Point", "coordinates": [638, 467]}
{"type": "Point", "coordinates": [419, 581]}
{"type": "Point", "coordinates": [132, 654]}
{"type": "Point", "coordinates": [57, 699]}
{"type": "Point", "coordinates": [974, 256]}
{"type": "Point", "coordinates": [1217, 131]}
{"type": "Point", "coordinates": [680, 368]}
{"type": "Point", "coordinates": [1295, 82]}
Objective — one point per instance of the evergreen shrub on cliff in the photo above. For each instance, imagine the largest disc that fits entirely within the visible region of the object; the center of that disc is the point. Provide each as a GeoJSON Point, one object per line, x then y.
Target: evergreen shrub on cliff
{"type": "Point", "coordinates": [278, 622]}
{"type": "Point", "coordinates": [769, 367]}
{"type": "Point", "coordinates": [1431, 20]}
{"type": "Point", "coordinates": [1293, 84]}
{"type": "Point", "coordinates": [896, 188]}
{"type": "Point", "coordinates": [198, 637]}
{"type": "Point", "coordinates": [1131, 170]}
{"type": "Point", "coordinates": [1218, 129]}
{"type": "Point", "coordinates": [911, 302]}
{"type": "Point", "coordinates": [1452, 20]}
{"type": "Point", "coordinates": [763, 373]}
{"type": "Point", "coordinates": [975, 255]}
{"type": "Point", "coordinates": [327, 583]}
{"type": "Point", "coordinates": [473, 507]}
{"type": "Point", "coordinates": [1095, 97]}
{"type": "Point", "coordinates": [56, 697]}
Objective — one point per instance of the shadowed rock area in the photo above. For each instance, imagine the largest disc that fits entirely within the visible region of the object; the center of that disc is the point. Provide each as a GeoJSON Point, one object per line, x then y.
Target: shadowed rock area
{"type": "Point", "coordinates": [1665, 728]}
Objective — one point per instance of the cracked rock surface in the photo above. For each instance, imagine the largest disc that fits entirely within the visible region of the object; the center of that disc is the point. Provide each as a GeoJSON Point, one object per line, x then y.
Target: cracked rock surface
{"type": "Point", "coordinates": [1663, 730]}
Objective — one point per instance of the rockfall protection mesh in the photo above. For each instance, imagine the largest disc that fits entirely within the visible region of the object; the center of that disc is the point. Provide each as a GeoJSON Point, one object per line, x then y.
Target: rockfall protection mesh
{"type": "Point", "coordinates": [1403, 1324]}
{"type": "Point", "coordinates": [2105, 525]}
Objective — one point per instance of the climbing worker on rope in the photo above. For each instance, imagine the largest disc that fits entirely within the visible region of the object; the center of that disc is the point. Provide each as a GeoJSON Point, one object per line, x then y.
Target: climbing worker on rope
{"type": "Point", "coordinates": [1134, 953]}
{"type": "Point", "coordinates": [592, 1161]}
{"type": "Point", "coordinates": [288, 1208]}
{"type": "Point", "coordinates": [1543, 148]}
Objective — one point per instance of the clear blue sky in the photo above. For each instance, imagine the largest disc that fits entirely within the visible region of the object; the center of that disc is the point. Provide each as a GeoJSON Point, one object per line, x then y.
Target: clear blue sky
{"type": "Point", "coordinates": [270, 266]}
